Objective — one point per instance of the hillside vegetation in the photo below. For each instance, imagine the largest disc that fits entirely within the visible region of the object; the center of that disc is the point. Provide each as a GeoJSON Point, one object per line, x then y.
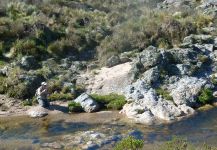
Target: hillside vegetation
{"type": "Point", "coordinates": [81, 30]}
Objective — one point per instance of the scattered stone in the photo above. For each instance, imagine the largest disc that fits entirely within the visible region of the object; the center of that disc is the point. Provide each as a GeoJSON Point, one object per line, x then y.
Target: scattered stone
{"type": "Point", "coordinates": [4, 71]}
{"type": "Point", "coordinates": [37, 112]}
{"type": "Point", "coordinates": [87, 103]}
{"type": "Point", "coordinates": [53, 145]}
{"type": "Point", "coordinates": [113, 61]}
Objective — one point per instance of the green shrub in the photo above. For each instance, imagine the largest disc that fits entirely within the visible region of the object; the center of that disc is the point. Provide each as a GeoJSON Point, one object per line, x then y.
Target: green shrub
{"type": "Point", "coordinates": [116, 104]}
{"type": "Point", "coordinates": [62, 48]}
{"type": "Point", "coordinates": [111, 101]}
{"type": "Point", "coordinates": [206, 96]}
{"type": "Point", "coordinates": [19, 91]}
{"type": "Point", "coordinates": [17, 10]}
{"type": "Point", "coordinates": [213, 80]}
{"type": "Point", "coordinates": [129, 143]}
{"type": "Point", "coordinates": [177, 144]}
{"type": "Point", "coordinates": [66, 89]}
{"type": "Point", "coordinates": [2, 63]}
{"type": "Point", "coordinates": [2, 85]}
{"type": "Point", "coordinates": [203, 58]}
{"type": "Point", "coordinates": [164, 93]}
{"type": "Point", "coordinates": [54, 86]}
{"type": "Point", "coordinates": [75, 107]}
{"type": "Point", "coordinates": [27, 47]}
{"type": "Point", "coordinates": [27, 103]}
{"type": "Point", "coordinates": [60, 96]}
{"type": "Point", "coordinates": [1, 49]}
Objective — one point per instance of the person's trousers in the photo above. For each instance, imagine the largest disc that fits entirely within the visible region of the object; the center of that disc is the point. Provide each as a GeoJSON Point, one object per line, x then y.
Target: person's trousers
{"type": "Point", "coordinates": [43, 102]}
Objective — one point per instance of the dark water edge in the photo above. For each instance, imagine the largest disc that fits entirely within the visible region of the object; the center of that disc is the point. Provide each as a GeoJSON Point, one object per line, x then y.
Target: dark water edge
{"type": "Point", "coordinates": [24, 131]}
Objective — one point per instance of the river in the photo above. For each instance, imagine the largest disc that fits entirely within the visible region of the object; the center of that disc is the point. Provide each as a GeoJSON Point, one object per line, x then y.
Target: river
{"type": "Point", "coordinates": [28, 133]}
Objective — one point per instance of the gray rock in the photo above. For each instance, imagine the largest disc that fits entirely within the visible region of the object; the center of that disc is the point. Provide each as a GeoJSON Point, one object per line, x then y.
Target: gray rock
{"type": "Point", "coordinates": [113, 61]}
{"type": "Point", "coordinates": [138, 114]}
{"type": "Point", "coordinates": [208, 4]}
{"type": "Point", "coordinates": [150, 57]}
{"type": "Point", "coordinates": [53, 145]}
{"type": "Point", "coordinates": [186, 90]}
{"type": "Point", "coordinates": [66, 62]}
{"type": "Point", "coordinates": [37, 112]}
{"type": "Point", "coordinates": [186, 4]}
{"type": "Point", "coordinates": [205, 47]}
{"type": "Point", "coordinates": [198, 39]}
{"type": "Point", "coordinates": [92, 66]}
{"type": "Point", "coordinates": [4, 71]}
{"type": "Point", "coordinates": [152, 75]}
{"type": "Point", "coordinates": [183, 55]}
{"type": "Point", "coordinates": [215, 42]}
{"type": "Point", "coordinates": [29, 62]}
{"type": "Point", "coordinates": [186, 109]}
{"type": "Point", "coordinates": [183, 69]}
{"type": "Point", "coordinates": [146, 107]}
{"type": "Point", "coordinates": [87, 103]}
{"type": "Point", "coordinates": [78, 66]}
{"type": "Point", "coordinates": [209, 30]}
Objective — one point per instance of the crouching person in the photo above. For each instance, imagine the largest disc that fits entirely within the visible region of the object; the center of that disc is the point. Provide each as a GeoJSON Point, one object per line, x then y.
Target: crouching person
{"type": "Point", "coordinates": [41, 95]}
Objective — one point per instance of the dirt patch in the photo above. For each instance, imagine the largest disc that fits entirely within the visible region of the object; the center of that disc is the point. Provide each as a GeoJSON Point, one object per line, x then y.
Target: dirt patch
{"type": "Point", "coordinates": [14, 107]}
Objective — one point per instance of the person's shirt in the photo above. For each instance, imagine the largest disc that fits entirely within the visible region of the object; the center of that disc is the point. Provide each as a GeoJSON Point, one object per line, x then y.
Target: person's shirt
{"type": "Point", "coordinates": [41, 93]}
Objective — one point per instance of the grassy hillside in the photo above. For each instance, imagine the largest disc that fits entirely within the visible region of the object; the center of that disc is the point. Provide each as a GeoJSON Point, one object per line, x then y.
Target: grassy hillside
{"type": "Point", "coordinates": [87, 28]}
{"type": "Point", "coordinates": [84, 30]}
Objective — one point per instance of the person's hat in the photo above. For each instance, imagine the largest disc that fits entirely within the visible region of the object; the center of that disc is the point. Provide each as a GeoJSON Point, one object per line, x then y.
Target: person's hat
{"type": "Point", "coordinates": [44, 83]}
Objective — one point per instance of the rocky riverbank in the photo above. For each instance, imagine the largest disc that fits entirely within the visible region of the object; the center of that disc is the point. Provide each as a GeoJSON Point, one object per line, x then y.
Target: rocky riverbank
{"type": "Point", "coordinates": [160, 72]}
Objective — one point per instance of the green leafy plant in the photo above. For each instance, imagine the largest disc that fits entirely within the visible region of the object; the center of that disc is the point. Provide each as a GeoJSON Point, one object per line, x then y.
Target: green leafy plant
{"type": "Point", "coordinates": [129, 143]}
{"type": "Point", "coordinates": [213, 80]}
{"type": "Point", "coordinates": [111, 101]}
{"type": "Point", "coordinates": [27, 47]}
{"type": "Point", "coordinates": [74, 107]}
{"type": "Point", "coordinates": [206, 96]}
{"type": "Point", "coordinates": [60, 96]}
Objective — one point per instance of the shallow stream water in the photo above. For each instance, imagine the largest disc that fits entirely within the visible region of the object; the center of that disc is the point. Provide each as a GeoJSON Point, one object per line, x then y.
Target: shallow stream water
{"type": "Point", "coordinates": [27, 133]}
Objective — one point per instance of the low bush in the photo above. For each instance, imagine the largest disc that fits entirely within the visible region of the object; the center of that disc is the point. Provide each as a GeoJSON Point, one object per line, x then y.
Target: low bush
{"type": "Point", "coordinates": [2, 85]}
{"type": "Point", "coordinates": [75, 107]}
{"type": "Point", "coordinates": [60, 96]}
{"type": "Point", "coordinates": [27, 47]}
{"type": "Point", "coordinates": [18, 91]}
{"type": "Point", "coordinates": [213, 80]}
{"type": "Point", "coordinates": [129, 143]}
{"type": "Point", "coordinates": [178, 143]}
{"type": "Point", "coordinates": [206, 96]}
{"type": "Point", "coordinates": [203, 58]}
{"type": "Point", "coordinates": [62, 48]}
{"type": "Point", "coordinates": [27, 103]}
{"type": "Point", "coordinates": [111, 101]}
{"type": "Point", "coordinates": [1, 49]}
{"type": "Point", "coordinates": [54, 86]}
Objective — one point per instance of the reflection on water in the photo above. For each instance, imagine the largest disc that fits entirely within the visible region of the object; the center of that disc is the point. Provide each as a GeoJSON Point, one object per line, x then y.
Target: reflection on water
{"type": "Point", "coordinates": [200, 128]}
